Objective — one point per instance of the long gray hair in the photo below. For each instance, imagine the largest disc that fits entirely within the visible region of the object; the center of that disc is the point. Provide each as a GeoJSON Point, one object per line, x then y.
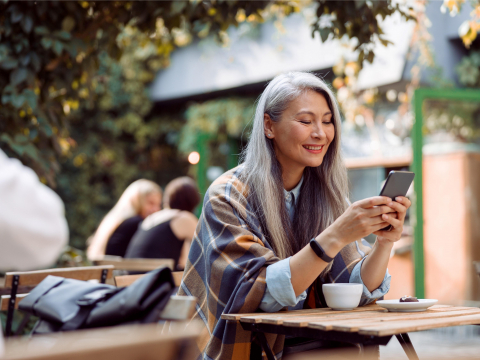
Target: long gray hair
{"type": "Point", "coordinates": [324, 188]}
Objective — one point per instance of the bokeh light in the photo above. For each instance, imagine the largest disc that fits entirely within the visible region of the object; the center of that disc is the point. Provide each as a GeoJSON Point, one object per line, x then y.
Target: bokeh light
{"type": "Point", "coordinates": [194, 157]}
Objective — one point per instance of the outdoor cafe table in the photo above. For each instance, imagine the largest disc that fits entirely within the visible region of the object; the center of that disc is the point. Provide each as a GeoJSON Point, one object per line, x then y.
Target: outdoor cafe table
{"type": "Point", "coordinates": [367, 326]}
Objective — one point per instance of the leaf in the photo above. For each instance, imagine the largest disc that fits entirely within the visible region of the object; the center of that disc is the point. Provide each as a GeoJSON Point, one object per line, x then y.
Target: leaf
{"type": "Point", "coordinates": [21, 139]}
{"type": "Point", "coordinates": [41, 30]}
{"type": "Point", "coordinates": [9, 63]}
{"type": "Point", "coordinates": [16, 16]}
{"type": "Point", "coordinates": [46, 129]}
{"type": "Point", "coordinates": [31, 151]}
{"type": "Point", "coordinates": [35, 61]}
{"type": "Point", "coordinates": [6, 138]}
{"type": "Point", "coordinates": [25, 60]}
{"type": "Point", "coordinates": [27, 24]}
{"type": "Point", "coordinates": [18, 47]}
{"type": "Point", "coordinates": [46, 43]}
{"type": "Point", "coordinates": [63, 35]}
{"type": "Point", "coordinates": [33, 134]}
{"type": "Point", "coordinates": [17, 100]}
{"type": "Point", "coordinates": [177, 7]}
{"type": "Point", "coordinates": [361, 57]}
{"type": "Point", "coordinates": [31, 98]}
{"type": "Point", "coordinates": [68, 24]}
{"type": "Point", "coordinates": [57, 47]}
{"type": "Point", "coordinates": [6, 99]}
{"type": "Point", "coordinates": [370, 56]}
{"type": "Point", "coordinates": [324, 33]}
{"type": "Point", "coordinates": [17, 76]}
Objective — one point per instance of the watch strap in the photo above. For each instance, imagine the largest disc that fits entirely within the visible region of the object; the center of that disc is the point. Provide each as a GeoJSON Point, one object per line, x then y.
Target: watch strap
{"type": "Point", "coordinates": [319, 251]}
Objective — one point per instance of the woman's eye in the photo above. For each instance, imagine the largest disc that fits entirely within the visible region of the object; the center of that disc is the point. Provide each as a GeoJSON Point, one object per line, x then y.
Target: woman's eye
{"type": "Point", "coordinates": [305, 121]}
{"type": "Point", "coordinates": [328, 122]}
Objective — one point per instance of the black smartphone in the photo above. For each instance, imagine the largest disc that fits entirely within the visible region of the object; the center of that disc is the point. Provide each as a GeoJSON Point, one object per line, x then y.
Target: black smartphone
{"type": "Point", "coordinates": [397, 184]}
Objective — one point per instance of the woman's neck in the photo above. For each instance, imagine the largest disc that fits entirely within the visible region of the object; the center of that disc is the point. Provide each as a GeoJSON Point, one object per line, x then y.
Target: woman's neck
{"type": "Point", "coordinates": [291, 178]}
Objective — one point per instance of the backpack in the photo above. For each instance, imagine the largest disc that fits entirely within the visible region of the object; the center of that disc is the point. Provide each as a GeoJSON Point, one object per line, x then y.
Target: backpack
{"type": "Point", "coordinates": [67, 304]}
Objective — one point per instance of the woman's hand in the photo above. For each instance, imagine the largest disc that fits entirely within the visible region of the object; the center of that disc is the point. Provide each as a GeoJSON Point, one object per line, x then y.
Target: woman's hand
{"type": "Point", "coordinates": [362, 218]}
{"type": "Point", "coordinates": [400, 205]}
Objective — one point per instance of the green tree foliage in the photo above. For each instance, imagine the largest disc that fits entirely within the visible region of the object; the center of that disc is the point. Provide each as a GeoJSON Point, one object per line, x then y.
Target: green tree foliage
{"type": "Point", "coordinates": [468, 70]}
{"type": "Point", "coordinates": [74, 78]}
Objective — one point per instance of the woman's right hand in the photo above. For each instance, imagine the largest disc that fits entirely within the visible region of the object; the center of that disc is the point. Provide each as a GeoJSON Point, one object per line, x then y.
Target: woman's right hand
{"type": "Point", "coordinates": [359, 220]}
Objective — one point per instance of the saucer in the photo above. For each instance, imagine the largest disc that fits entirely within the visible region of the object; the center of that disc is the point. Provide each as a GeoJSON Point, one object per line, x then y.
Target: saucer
{"type": "Point", "coordinates": [397, 306]}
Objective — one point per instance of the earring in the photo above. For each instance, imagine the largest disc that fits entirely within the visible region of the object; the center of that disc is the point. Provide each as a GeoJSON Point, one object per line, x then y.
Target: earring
{"type": "Point", "coordinates": [269, 135]}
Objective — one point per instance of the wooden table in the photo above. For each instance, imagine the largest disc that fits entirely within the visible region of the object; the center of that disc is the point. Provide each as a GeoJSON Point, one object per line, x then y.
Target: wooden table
{"type": "Point", "coordinates": [367, 326]}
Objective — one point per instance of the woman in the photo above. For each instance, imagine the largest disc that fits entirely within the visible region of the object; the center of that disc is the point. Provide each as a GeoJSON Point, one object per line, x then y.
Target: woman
{"type": "Point", "coordinates": [277, 227]}
{"type": "Point", "coordinates": [140, 199]}
{"type": "Point", "coordinates": [167, 234]}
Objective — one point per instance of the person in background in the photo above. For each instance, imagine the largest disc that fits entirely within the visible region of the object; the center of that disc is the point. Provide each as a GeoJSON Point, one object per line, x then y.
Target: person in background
{"type": "Point", "coordinates": [168, 233]}
{"type": "Point", "coordinates": [140, 199]}
{"type": "Point", "coordinates": [33, 228]}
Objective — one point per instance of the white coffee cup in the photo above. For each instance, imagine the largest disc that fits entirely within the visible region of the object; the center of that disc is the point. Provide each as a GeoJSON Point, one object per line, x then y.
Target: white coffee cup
{"type": "Point", "coordinates": [342, 296]}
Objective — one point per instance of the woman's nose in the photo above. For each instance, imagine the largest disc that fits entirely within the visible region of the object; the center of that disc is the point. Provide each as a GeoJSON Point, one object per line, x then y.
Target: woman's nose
{"type": "Point", "coordinates": [319, 133]}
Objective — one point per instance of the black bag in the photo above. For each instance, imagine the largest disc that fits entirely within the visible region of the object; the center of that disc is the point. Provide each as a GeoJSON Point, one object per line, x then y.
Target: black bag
{"type": "Point", "coordinates": [67, 304]}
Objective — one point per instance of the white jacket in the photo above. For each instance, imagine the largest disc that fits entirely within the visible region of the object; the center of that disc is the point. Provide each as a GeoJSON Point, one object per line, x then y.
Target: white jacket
{"type": "Point", "coordinates": [33, 228]}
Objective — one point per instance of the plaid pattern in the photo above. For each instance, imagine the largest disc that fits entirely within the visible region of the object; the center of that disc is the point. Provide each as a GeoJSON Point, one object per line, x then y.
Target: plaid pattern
{"type": "Point", "coordinates": [226, 270]}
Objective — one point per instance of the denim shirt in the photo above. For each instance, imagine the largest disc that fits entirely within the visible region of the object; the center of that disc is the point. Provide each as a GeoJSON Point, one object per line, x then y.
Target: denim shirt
{"type": "Point", "coordinates": [279, 291]}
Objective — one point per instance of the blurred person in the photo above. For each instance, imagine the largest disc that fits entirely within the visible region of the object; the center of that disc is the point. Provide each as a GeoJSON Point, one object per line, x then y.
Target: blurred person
{"type": "Point", "coordinates": [140, 199]}
{"type": "Point", "coordinates": [168, 233]}
{"type": "Point", "coordinates": [277, 227]}
{"type": "Point", "coordinates": [33, 228]}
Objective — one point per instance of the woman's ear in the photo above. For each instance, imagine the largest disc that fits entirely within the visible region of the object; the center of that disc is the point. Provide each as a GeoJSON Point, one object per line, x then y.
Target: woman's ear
{"type": "Point", "coordinates": [268, 126]}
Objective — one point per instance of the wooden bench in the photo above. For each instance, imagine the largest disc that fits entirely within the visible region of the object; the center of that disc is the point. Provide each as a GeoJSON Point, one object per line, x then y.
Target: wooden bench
{"type": "Point", "coordinates": [135, 264]}
{"type": "Point", "coordinates": [132, 342]}
{"type": "Point", "coordinates": [32, 278]}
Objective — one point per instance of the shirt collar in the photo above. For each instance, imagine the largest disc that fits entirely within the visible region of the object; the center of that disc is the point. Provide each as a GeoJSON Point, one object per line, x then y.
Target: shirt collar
{"type": "Point", "coordinates": [295, 191]}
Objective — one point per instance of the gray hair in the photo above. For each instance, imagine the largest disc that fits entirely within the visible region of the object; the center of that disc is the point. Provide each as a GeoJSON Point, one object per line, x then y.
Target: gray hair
{"type": "Point", "coordinates": [324, 189]}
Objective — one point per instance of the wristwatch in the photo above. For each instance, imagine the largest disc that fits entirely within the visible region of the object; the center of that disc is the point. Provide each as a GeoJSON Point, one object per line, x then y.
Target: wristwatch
{"type": "Point", "coordinates": [319, 251]}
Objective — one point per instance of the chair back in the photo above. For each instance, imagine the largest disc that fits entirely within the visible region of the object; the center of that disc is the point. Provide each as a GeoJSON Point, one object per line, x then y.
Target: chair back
{"type": "Point", "coordinates": [146, 342]}
{"type": "Point", "coordinates": [139, 264]}
{"type": "Point", "coordinates": [127, 280]}
{"type": "Point", "coordinates": [26, 280]}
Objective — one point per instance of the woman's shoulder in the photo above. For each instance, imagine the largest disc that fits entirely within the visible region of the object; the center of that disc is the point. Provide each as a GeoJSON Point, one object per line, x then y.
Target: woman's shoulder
{"type": "Point", "coordinates": [131, 221]}
{"type": "Point", "coordinates": [229, 184]}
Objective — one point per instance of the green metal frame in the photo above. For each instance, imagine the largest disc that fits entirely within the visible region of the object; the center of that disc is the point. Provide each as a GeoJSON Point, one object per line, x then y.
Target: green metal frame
{"type": "Point", "coordinates": [417, 143]}
{"type": "Point", "coordinates": [203, 150]}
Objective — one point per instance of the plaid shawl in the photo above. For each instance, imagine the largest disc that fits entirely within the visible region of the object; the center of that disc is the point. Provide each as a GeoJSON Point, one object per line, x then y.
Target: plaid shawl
{"type": "Point", "coordinates": [226, 270]}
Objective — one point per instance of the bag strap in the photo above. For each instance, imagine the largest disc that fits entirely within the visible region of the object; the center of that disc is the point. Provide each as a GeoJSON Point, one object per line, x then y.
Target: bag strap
{"type": "Point", "coordinates": [86, 304]}
{"type": "Point", "coordinates": [77, 321]}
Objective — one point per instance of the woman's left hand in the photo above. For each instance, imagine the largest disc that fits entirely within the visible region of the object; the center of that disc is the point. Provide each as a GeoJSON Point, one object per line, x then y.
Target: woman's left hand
{"type": "Point", "coordinates": [400, 205]}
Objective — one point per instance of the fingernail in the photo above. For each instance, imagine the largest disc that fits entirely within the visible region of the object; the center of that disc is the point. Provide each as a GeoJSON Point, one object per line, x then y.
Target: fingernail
{"type": "Point", "coordinates": [385, 216]}
{"type": "Point", "coordinates": [390, 204]}
{"type": "Point", "coordinates": [398, 198]}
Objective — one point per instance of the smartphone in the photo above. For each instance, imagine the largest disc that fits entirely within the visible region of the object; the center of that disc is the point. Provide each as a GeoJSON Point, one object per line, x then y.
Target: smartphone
{"type": "Point", "coordinates": [397, 184]}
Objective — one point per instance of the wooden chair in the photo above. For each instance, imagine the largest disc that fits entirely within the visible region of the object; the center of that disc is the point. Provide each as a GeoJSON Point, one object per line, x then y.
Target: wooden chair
{"type": "Point", "coordinates": [127, 280]}
{"type": "Point", "coordinates": [32, 278]}
{"type": "Point", "coordinates": [135, 264]}
{"type": "Point", "coordinates": [132, 342]}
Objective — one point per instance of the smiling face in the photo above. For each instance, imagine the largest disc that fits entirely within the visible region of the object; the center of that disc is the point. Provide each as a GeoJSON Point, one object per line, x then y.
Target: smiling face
{"type": "Point", "coordinates": [302, 136]}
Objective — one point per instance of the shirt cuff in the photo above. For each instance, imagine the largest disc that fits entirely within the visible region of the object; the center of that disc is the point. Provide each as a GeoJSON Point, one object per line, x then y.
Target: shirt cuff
{"type": "Point", "coordinates": [367, 296]}
{"type": "Point", "coordinates": [279, 291]}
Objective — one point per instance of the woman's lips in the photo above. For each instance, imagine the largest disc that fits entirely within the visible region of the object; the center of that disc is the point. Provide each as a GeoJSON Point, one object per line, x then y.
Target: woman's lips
{"type": "Point", "coordinates": [314, 149]}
